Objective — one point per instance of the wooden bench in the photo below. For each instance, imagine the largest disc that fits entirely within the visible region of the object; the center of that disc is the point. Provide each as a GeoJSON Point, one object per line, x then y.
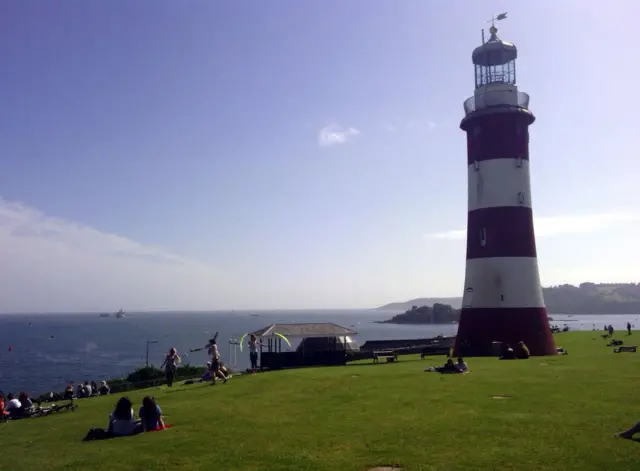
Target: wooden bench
{"type": "Point", "coordinates": [629, 349]}
{"type": "Point", "coordinates": [390, 355]}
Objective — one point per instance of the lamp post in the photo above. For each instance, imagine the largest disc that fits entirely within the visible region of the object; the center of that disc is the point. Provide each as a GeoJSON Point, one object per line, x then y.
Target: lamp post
{"type": "Point", "coordinates": [149, 342]}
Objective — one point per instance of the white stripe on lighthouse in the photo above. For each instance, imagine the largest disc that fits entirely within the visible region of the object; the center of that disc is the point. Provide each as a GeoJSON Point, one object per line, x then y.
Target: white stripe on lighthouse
{"type": "Point", "coordinates": [507, 282]}
{"type": "Point", "coordinates": [499, 182]}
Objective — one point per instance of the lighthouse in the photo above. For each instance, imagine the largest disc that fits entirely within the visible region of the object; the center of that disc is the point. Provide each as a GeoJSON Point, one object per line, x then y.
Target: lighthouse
{"type": "Point", "coordinates": [502, 300]}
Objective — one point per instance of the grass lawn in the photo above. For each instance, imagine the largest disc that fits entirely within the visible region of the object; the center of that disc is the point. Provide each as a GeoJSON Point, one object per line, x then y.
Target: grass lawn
{"type": "Point", "coordinates": [560, 414]}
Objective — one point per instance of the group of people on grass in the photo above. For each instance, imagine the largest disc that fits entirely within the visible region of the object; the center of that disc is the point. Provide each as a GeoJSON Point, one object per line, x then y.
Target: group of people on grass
{"type": "Point", "coordinates": [215, 368]}
{"type": "Point", "coordinates": [14, 407]}
{"type": "Point", "coordinates": [450, 367]}
{"type": "Point", "coordinates": [521, 352]}
{"type": "Point", "coordinates": [123, 422]}
{"type": "Point", "coordinates": [86, 389]}
{"type": "Point", "coordinates": [610, 330]}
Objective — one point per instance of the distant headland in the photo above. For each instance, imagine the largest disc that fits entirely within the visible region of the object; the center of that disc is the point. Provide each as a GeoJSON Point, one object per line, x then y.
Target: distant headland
{"type": "Point", "coordinates": [436, 314]}
{"type": "Point", "coordinates": [586, 298]}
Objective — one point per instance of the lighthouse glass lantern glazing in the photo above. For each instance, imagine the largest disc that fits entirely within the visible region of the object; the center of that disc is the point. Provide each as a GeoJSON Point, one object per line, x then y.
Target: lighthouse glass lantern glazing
{"type": "Point", "coordinates": [496, 73]}
{"type": "Point", "coordinates": [495, 61]}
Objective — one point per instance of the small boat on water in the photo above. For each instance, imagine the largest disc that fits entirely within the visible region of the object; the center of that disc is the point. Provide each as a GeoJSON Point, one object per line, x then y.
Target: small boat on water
{"type": "Point", "coordinates": [120, 314]}
{"type": "Point", "coordinates": [104, 314]}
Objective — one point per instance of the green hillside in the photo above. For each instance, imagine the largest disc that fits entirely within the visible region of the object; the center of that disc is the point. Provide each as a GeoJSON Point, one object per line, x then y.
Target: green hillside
{"type": "Point", "coordinates": [587, 298]}
{"type": "Point", "coordinates": [541, 414]}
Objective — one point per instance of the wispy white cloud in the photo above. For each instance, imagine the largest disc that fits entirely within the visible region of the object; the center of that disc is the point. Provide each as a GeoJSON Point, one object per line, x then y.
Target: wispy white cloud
{"type": "Point", "coordinates": [335, 134]}
{"type": "Point", "coordinates": [558, 225]}
{"type": "Point", "coordinates": [51, 264]}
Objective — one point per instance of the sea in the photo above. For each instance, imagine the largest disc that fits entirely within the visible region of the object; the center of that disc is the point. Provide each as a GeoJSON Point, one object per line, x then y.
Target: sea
{"type": "Point", "coordinates": [43, 352]}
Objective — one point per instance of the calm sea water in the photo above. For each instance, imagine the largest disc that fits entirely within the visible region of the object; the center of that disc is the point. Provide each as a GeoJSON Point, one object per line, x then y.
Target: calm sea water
{"type": "Point", "coordinates": [57, 348]}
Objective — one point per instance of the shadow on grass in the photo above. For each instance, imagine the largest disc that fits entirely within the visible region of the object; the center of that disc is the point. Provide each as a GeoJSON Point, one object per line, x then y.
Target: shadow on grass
{"type": "Point", "coordinates": [351, 365]}
{"type": "Point", "coordinates": [199, 386]}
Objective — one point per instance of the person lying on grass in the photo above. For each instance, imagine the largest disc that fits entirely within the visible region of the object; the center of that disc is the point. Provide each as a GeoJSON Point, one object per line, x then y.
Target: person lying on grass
{"type": "Point", "coordinates": [462, 366]}
{"type": "Point", "coordinates": [150, 415]}
{"type": "Point", "coordinates": [450, 367]}
{"type": "Point", "coordinates": [631, 432]}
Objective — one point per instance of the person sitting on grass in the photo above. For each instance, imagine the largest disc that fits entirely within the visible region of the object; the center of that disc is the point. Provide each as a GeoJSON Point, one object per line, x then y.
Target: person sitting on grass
{"type": "Point", "coordinates": [69, 390]}
{"type": "Point", "coordinates": [13, 406]}
{"type": "Point", "coordinates": [522, 352]}
{"type": "Point", "coordinates": [448, 367]}
{"type": "Point", "coordinates": [151, 415]}
{"type": "Point", "coordinates": [104, 389]}
{"type": "Point", "coordinates": [462, 366]}
{"type": "Point", "coordinates": [121, 420]}
{"type": "Point", "coordinates": [208, 373]}
{"type": "Point", "coordinates": [25, 402]}
{"type": "Point", "coordinates": [507, 353]}
{"type": "Point", "coordinates": [631, 432]}
{"type": "Point", "coordinates": [3, 413]}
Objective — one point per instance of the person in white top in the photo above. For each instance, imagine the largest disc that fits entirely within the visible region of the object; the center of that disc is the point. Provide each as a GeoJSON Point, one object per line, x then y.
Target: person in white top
{"type": "Point", "coordinates": [13, 404]}
{"type": "Point", "coordinates": [121, 420]}
{"type": "Point", "coordinates": [253, 352]}
{"type": "Point", "coordinates": [461, 366]}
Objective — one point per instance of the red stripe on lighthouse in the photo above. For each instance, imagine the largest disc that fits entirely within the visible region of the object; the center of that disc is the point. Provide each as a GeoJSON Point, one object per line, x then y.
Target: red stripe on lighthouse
{"type": "Point", "coordinates": [505, 231]}
{"type": "Point", "coordinates": [480, 326]}
{"type": "Point", "coordinates": [498, 136]}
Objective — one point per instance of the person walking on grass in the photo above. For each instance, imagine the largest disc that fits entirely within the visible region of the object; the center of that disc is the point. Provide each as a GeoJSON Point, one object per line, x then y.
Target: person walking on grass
{"type": "Point", "coordinates": [170, 365]}
{"type": "Point", "coordinates": [253, 352]}
{"type": "Point", "coordinates": [629, 328]}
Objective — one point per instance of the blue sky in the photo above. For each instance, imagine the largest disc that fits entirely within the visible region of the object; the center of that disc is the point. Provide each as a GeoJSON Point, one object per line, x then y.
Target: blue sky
{"type": "Point", "coordinates": [294, 154]}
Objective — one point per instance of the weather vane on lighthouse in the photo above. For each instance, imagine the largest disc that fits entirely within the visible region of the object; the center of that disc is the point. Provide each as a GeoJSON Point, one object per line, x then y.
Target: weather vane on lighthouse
{"type": "Point", "coordinates": [493, 30]}
{"type": "Point", "coordinates": [502, 301]}
{"type": "Point", "coordinates": [501, 16]}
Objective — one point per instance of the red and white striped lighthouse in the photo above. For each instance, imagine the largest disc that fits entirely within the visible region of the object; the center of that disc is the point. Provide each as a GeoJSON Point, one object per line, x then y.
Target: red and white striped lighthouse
{"type": "Point", "coordinates": [502, 299]}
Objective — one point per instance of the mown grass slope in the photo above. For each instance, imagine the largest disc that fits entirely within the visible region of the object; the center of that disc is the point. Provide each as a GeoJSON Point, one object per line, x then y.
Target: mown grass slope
{"type": "Point", "coordinates": [560, 413]}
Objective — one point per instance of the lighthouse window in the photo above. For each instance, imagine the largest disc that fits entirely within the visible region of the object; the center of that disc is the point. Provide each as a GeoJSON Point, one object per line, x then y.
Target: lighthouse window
{"type": "Point", "coordinates": [483, 237]}
{"type": "Point", "coordinates": [521, 197]}
{"type": "Point", "coordinates": [519, 164]}
{"type": "Point", "coordinates": [502, 297]}
{"type": "Point", "coordinates": [476, 166]}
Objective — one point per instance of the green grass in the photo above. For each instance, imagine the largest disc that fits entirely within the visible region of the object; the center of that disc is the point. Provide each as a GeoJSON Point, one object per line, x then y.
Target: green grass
{"type": "Point", "coordinates": [561, 414]}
